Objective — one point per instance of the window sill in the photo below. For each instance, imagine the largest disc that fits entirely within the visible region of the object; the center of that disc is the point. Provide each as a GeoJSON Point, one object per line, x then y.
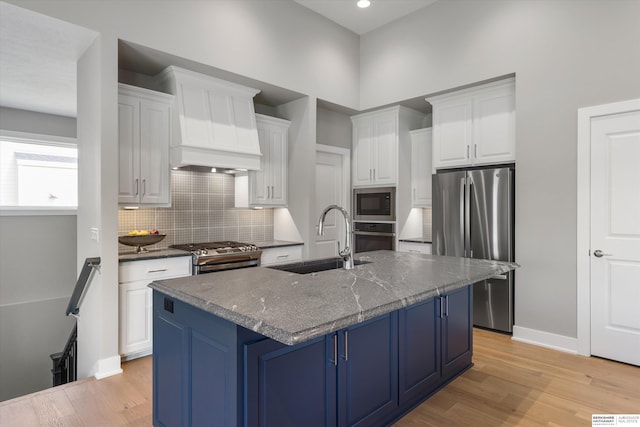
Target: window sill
{"type": "Point", "coordinates": [37, 211]}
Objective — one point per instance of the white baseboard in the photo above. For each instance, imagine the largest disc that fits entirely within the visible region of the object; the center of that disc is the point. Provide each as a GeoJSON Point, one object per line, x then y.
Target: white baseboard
{"type": "Point", "coordinates": [108, 367]}
{"type": "Point", "coordinates": [545, 339]}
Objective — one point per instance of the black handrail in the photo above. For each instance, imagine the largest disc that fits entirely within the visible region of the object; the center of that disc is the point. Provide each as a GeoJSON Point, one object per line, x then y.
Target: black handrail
{"type": "Point", "coordinates": [74, 303]}
{"type": "Point", "coordinates": [65, 364]}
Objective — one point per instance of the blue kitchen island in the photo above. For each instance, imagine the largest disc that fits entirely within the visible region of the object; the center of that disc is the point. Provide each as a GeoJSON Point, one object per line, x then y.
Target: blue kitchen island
{"type": "Point", "coordinates": [264, 347]}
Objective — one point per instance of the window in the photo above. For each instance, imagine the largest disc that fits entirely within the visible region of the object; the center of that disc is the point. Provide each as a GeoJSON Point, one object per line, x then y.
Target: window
{"type": "Point", "coordinates": [38, 172]}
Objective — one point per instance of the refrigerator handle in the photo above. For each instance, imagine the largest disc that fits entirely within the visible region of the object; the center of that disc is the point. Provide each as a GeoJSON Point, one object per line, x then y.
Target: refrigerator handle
{"type": "Point", "coordinates": [463, 214]}
{"type": "Point", "coordinates": [469, 211]}
{"type": "Point", "coordinates": [467, 217]}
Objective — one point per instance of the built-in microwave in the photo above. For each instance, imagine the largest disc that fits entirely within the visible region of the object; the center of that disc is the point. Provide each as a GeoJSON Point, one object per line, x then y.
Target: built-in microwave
{"type": "Point", "coordinates": [374, 204]}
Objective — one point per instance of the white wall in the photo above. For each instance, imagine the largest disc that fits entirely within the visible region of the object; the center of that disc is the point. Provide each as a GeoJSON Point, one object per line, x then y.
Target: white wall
{"type": "Point", "coordinates": [333, 128]}
{"type": "Point", "coordinates": [566, 55]}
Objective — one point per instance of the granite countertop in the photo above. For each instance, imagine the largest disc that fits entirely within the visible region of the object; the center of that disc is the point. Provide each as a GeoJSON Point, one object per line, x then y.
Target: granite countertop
{"type": "Point", "coordinates": [417, 240]}
{"type": "Point", "coordinates": [276, 244]}
{"type": "Point", "coordinates": [293, 308]}
{"type": "Point", "coordinates": [151, 254]}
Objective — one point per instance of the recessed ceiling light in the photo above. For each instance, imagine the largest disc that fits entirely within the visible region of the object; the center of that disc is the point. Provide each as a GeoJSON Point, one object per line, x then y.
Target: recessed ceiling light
{"type": "Point", "coordinates": [363, 3]}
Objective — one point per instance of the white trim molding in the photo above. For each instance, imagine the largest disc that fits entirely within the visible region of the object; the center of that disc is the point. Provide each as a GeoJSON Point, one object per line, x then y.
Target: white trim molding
{"type": "Point", "coordinates": [583, 221]}
{"type": "Point", "coordinates": [545, 339]}
{"type": "Point", "coordinates": [108, 367]}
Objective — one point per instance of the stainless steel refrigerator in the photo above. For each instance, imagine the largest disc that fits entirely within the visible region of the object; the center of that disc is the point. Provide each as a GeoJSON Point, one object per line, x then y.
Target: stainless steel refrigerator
{"type": "Point", "coordinates": [473, 216]}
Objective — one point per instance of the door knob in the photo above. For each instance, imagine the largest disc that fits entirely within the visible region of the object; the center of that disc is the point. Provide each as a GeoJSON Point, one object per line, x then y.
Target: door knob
{"type": "Point", "coordinates": [600, 254]}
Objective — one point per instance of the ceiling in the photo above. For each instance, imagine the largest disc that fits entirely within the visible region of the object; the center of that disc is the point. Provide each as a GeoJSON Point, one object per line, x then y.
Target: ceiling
{"type": "Point", "coordinates": [38, 55]}
{"type": "Point", "coordinates": [361, 21]}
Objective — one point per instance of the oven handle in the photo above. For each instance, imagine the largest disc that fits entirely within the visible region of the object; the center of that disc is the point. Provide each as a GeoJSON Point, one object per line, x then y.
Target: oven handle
{"type": "Point", "coordinates": [227, 266]}
{"type": "Point", "coordinates": [374, 233]}
{"type": "Point", "coordinates": [231, 259]}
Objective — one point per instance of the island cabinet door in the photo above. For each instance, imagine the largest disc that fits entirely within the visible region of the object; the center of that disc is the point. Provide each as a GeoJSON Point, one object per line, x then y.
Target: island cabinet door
{"type": "Point", "coordinates": [419, 350]}
{"type": "Point", "coordinates": [368, 372]}
{"type": "Point", "coordinates": [290, 385]}
{"type": "Point", "coordinates": [457, 332]}
{"type": "Point", "coordinates": [170, 388]}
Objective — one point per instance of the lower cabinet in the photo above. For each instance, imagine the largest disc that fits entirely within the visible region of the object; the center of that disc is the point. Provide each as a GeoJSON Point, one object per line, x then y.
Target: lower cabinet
{"type": "Point", "coordinates": [135, 305]}
{"type": "Point", "coordinates": [208, 371]}
{"type": "Point", "coordinates": [435, 342]}
{"type": "Point", "coordinates": [348, 378]}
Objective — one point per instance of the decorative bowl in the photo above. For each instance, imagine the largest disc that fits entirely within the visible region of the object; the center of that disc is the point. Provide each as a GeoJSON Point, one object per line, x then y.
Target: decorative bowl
{"type": "Point", "coordinates": [140, 241]}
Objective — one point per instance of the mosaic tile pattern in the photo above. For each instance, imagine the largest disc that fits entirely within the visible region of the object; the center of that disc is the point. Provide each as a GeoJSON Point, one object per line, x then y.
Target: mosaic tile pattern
{"type": "Point", "coordinates": [202, 210]}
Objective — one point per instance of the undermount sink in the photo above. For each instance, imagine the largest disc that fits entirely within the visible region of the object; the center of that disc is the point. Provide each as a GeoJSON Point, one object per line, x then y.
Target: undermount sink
{"type": "Point", "coordinates": [315, 265]}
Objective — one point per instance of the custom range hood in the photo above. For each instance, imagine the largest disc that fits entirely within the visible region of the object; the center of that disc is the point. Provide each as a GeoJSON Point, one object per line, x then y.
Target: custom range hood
{"type": "Point", "coordinates": [214, 122]}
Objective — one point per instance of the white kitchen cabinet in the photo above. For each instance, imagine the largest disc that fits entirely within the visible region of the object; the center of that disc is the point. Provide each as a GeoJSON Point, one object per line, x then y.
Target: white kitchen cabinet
{"type": "Point", "coordinates": [136, 329]}
{"type": "Point", "coordinates": [474, 126]}
{"type": "Point", "coordinates": [268, 186]}
{"type": "Point", "coordinates": [421, 152]}
{"type": "Point", "coordinates": [281, 255]}
{"type": "Point", "coordinates": [414, 247]}
{"type": "Point", "coordinates": [375, 148]}
{"type": "Point", "coordinates": [144, 132]}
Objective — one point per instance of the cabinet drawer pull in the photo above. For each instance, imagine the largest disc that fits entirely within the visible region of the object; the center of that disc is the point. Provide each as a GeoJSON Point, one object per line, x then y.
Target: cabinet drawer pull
{"type": "Point", "coordinates": [136, 186]}
{"type": "Point", "coordinates": [346, 345]}
{"type": "Point", "coordinates": [335, 350]}
{"type": "Point", "coordinates": [415, 251]}
{"type": "Point", "coordinates": [156, 271]}
{"type": "Point", "coordinates": [283, 256]}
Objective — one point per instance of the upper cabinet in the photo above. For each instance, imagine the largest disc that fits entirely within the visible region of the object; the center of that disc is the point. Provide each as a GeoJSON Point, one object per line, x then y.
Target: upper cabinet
{"type": "Point", "coordinates": [474, 126]}
{"type": "Point", "coordinates": [376, 138]}
{"type": "Point", "coordinates": [421, 140]}
{"type": "Point", "coordinates": [144, 132]}
{"type": "Point", "coordinates": [268, 186]}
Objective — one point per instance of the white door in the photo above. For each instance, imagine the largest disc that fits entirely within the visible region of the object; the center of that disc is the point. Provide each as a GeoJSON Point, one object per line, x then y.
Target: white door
{"type": "Point", "coordinates": [615, 237]}
{"type": "Point", "coordinates": [332, 188]}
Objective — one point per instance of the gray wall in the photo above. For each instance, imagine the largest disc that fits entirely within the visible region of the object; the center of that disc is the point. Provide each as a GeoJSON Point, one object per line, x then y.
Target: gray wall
{"type": "Point", "coordinates": [333, 128]}
{"type": "Point", "coordinates": [33, 297]}
{"type": "Point", "coordinates": [565, 55]}
{"type": "Point", "coordinates": [39, 123]}
{"type": "Point", "coordinates": [37, 276]}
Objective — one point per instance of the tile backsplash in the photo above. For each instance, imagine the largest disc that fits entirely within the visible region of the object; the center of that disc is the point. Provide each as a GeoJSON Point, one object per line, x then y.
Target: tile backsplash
{"type": "Point", "coordinates": [202, 210]}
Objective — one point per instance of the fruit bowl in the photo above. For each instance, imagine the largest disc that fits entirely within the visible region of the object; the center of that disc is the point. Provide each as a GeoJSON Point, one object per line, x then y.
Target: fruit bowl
{"type": "Point", "coordinates": [140, 241]}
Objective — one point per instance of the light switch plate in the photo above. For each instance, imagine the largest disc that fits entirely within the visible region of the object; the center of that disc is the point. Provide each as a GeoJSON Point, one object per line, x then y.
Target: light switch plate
{"type": "Point", "coordinates": [95, 234]}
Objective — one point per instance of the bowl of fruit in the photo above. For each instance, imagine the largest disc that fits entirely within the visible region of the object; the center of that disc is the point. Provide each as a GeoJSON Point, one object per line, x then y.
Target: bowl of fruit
{"type": "Point", "coordinates": [141, 238]}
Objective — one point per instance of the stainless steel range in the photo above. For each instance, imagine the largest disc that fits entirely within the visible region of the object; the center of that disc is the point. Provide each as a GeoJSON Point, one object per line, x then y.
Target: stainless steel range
{"type": "Point", "coordinates": [217, 256]}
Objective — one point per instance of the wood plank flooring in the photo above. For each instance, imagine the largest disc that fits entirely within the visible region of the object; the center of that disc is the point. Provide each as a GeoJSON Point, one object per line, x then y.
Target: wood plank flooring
{"type": "Point", "coordinates": [511, 384]}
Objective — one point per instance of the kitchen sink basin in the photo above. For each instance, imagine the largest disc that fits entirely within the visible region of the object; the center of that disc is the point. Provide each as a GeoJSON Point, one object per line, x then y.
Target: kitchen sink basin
{"type": "Point", "coordinates": [315, 265]}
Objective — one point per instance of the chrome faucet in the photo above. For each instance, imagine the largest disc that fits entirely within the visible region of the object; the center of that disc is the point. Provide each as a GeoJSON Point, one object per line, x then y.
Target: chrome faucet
{"type": "Point", "coordinates": [345, 253]}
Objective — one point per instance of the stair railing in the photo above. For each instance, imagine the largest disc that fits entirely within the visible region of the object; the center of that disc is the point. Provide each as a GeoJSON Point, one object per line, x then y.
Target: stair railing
{"type": "Point", "coordinates": [65, 363]}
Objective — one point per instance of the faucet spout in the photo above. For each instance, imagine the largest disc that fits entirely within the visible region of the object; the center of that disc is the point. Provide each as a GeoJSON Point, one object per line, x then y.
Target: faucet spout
{"type": "Point", "coordinates": [346, 253]}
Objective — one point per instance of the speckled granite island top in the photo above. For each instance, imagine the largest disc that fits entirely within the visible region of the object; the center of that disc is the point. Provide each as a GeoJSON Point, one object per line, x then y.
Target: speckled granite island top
{"type": "Point", "coordinates": [293, 308]}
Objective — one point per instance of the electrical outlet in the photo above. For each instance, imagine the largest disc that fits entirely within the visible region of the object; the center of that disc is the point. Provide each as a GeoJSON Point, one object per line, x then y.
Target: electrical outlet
{"type": "Point", "coordinates": [95, 234]}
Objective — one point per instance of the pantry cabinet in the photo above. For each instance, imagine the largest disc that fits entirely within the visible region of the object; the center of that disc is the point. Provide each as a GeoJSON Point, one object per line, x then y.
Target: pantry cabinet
{"type": "Point", "coordinates": [474, 126]}
{"type": "Point", "coordinates": [268, 186]}
{"type": "Point", "coordinates": [135, 306]}
{"type": "Point", "coordinates": [376, 137]}
{"type": "Point", "coordinates": [421, 153]}
{"type": "Point", "coordinates": [144, 129]}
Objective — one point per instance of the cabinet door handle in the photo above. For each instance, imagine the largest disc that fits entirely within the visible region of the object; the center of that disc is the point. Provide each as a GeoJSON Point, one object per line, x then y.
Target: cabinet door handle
{"type": "Point", "coordinates": [335, 350]}
{"type": "Point", "coordinates": [144, 187]}
{"type": "Point", "coordinates": [475, 151]}
{"type": "Point", "coordinates": [273, 192]}
{"type": "Point", "coordinates": [374, 174]}
{"type": "Point", "coordinates": [414, 193]}
{"type": "Point", "coordinates": [136, 186]}
{"type": "Point", "coordinates": [467, 151]}
{"type": "Point", "coordinates": [441, 307]}
{"type": "Point", "coordinates": [446, 305]}
{"type": "Point", "coordinates": [346, 345]}
{"type": "Point", "coordinates": [267, 191]}
{"type": "Point", "coordinates": [370, 178]}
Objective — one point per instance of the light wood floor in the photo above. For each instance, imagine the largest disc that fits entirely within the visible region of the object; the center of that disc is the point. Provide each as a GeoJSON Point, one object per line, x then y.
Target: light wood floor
{"type": "Point", "coordinates": [511, 384]}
